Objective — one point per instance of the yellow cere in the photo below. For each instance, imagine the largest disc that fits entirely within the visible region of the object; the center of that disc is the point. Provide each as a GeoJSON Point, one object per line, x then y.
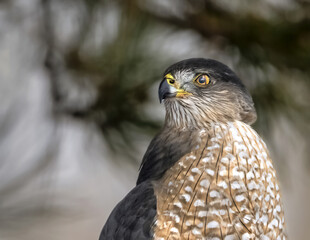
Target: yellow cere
{"type": "Point", "coordinates": [171, 81]}
{"type": "Point", "coordinates": [169, 76]}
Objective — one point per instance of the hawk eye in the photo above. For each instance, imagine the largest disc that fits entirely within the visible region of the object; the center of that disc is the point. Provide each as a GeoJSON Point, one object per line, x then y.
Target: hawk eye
{"type": "Point", "coordinates": [202, 80]}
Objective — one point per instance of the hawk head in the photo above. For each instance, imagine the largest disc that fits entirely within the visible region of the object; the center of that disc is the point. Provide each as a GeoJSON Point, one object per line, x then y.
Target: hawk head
{"type": "Point", "coordinates": [198, 91]}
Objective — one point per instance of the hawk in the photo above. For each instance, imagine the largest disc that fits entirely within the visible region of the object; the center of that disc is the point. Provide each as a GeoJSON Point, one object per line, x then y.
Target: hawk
{"type": "Point", "coordinates": [207, 174]}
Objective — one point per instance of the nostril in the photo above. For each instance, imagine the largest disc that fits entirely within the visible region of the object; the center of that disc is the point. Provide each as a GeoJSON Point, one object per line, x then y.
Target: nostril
{"type": "Point", "coordinates": [171, 81]}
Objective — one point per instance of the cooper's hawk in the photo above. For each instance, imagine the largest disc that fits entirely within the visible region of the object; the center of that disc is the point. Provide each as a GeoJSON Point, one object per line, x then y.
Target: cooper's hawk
{"type": "Point", "coordinates": [207, 174]}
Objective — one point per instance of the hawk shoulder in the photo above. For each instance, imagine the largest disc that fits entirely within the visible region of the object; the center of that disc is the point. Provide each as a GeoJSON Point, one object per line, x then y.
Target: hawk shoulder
{"type": "Point", "coordinates": [133, 217]}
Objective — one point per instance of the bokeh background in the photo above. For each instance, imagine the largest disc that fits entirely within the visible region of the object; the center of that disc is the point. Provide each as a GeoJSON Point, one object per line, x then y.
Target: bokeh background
{"type": "Point", "coordinates": [78, 93]}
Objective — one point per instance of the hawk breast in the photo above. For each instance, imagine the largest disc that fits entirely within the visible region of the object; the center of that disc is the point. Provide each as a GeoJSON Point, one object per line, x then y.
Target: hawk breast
{"type": "Point", "coordinates": [225, 188]}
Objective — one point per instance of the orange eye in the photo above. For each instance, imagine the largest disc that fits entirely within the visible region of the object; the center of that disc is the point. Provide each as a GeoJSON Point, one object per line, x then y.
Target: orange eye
{"type": "Point", "coordinates": [202, 80]}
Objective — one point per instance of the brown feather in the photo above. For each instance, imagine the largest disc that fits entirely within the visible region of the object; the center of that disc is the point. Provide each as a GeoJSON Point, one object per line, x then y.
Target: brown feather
{"type": "Point", "coordinates": [225, 188]}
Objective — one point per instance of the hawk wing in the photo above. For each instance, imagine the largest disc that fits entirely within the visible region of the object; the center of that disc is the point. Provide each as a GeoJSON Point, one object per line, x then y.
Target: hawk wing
{"type": "Point", "coordinates": [133, 217]}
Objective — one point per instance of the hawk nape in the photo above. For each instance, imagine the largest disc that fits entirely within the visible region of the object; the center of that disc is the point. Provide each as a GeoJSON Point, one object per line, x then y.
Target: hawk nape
{"type": "Point", "coordinates": [207, 174]}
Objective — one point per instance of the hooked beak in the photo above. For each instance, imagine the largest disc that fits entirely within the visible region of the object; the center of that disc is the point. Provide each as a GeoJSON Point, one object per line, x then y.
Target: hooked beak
{"type": "Point", "coordinates": [164, 91]}
{"type": "Point", "coordinates": [168, 91]}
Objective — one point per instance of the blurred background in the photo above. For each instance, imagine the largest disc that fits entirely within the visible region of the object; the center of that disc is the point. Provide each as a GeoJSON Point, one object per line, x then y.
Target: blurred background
{"type": "Point", "coordinates": [79, 106]}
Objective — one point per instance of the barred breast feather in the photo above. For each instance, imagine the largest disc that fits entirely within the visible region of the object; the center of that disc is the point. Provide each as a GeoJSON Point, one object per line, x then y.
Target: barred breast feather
{"type": "Point", "coordinates": [225, 188]}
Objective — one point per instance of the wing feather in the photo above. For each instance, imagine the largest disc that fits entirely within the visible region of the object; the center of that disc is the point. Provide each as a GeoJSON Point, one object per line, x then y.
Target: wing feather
{"type": "Point", "coordinates": [133, 217]}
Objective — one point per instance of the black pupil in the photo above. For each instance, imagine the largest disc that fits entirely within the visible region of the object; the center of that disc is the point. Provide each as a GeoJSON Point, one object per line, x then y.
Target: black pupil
{"type": "Point", "coordinates": [202, 79]}
{"type": "Point", "coordinates": [171, 81]}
